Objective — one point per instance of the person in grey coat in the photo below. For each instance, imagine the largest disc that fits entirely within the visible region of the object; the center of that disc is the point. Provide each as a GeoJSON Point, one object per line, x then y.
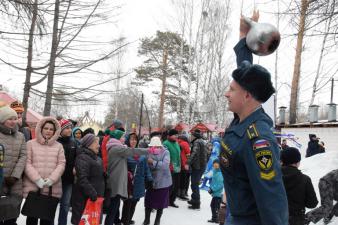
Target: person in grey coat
{"type": "Point", "coordinates": [13, 144]}
{"type": "Point", "coordinates": [117, 182]}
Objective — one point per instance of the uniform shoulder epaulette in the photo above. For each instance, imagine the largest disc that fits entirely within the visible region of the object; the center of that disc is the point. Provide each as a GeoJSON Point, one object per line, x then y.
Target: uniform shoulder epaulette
{"type": "Point", "coordinates": [252, 131]}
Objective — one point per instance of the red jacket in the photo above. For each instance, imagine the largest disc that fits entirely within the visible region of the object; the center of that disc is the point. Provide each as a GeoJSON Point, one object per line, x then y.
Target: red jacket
{"type": "Point", "coordinates": [185, 152]}
{"type": "Point", "coordinates": [104, 152]}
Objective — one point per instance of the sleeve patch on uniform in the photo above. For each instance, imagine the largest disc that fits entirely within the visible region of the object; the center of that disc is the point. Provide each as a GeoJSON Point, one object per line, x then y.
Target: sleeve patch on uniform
{"type": "Point", "coordinates": [268, 176]}
{"type": "Point", "coordinates": [264, 159]}
{"type": "Point", "coordinates": [260, 144]}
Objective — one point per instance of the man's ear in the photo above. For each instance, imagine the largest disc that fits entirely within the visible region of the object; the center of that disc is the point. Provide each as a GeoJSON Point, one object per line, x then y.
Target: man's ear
{"type": "Point", "coordinates": [248, 95]}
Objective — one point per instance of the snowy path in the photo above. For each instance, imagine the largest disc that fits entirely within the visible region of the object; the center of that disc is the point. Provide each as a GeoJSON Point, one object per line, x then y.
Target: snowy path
{"type": "Point", "coordinates": [171, 216]}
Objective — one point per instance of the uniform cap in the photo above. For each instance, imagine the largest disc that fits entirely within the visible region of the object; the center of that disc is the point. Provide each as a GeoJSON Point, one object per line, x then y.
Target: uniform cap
{"type": "Point", "coordinates": [255, 79]}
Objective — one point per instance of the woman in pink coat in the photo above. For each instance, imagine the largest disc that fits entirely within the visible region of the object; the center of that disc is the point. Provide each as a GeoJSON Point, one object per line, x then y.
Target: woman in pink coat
{"type": "Point", "coordinates": [45, 163]}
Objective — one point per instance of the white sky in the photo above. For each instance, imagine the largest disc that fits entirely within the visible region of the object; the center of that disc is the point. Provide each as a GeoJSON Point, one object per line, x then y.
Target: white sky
{"type": "Point", "coordinates": [141, 18]}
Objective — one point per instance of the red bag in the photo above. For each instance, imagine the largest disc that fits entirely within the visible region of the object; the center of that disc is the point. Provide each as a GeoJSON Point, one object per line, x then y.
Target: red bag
{"type": "Point", "coordinates": [92, 213]}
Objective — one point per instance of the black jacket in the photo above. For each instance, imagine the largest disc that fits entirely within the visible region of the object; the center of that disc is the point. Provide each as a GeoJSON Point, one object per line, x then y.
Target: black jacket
{"type": "Point", "coordinates": [313, 148]}
{"type": "Point", "coordinates": [300, 193]}
{"type": "Point", "coordinates": [198, 155]}
{"type": "Point", "coordinates": [70, 149]}
{"type": "Point", "coordinates": [89, 183]}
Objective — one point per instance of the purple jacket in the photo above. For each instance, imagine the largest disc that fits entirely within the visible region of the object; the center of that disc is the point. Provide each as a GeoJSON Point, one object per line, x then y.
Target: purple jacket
{"type": "Point", "coordinates": [160, 169]}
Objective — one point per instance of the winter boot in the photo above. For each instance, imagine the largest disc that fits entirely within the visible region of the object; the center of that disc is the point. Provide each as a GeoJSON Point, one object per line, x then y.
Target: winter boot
{"type": "Point", "coordinates": [179, 192]}
{"type": "Point", "coordinates": [195, 206]}
{"type": "Point", "coordinates": [147, 216]}
{"type": "Point", "coordinates": [172, 204]}
{"type": "Point", "coordinates": [182, 195]}
{"type": "Point", "coordinates": [158, 216]}
{"type": "Point", "coordinates": [184, 198]}
{"type": "Point", "coordinates": [213, 220]}
{"type": "Point", "coordinates": [194, 202]}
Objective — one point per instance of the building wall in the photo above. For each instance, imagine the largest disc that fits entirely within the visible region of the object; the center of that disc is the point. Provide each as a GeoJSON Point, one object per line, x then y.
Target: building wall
{"type": "Point", "coordinates": [329, 135]}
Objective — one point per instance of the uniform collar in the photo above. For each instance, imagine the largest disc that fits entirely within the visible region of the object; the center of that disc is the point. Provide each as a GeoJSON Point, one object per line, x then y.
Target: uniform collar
{"type": "Point", "coordinates": [239, 128]}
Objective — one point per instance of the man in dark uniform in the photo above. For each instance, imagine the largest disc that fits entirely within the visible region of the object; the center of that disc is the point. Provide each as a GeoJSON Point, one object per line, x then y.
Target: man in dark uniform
{"type": "Point", "coordinates": [249, 151]}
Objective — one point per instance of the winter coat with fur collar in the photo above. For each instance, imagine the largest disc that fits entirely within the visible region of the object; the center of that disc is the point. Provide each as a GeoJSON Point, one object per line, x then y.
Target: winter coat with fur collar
{"type": "Point", "coordinates": [45, 159]}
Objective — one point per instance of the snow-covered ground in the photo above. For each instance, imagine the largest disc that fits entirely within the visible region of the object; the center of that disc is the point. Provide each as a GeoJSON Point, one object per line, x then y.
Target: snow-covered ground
{"type": "Point", "coordinates": [171, 216]}
{"type": "Point", "coordinates": [316, 167]}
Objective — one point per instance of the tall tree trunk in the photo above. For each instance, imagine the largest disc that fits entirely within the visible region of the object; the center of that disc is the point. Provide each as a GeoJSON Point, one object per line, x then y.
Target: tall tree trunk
{"type": "Point", "coordinates": [198, 57]}
{"type": "Point", "coordinates": [29, 68]}
{"type": "Point", "coordinates": [297, 65]}
{"type": "Point", "coordinates": [181, 74]}
{"type": "Point", "coordinates": [164, 84]}
{"type": "Point", "coordinates": [51, 68]}
{"type": "Point", "coordinates": [190, 66]}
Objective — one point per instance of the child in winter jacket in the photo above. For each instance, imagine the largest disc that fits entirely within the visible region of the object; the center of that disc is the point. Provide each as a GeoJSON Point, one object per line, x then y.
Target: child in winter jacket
{"type": "Point", "coordinates": [216, 191]}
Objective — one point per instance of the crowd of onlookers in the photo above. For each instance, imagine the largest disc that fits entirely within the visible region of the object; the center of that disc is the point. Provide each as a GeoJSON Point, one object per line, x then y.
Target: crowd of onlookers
{"type": "Point", "coordinates": [74, 165]}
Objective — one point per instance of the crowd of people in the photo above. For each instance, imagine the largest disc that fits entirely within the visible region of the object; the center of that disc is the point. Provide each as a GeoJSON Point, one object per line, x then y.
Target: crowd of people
{"type": "Point", "coordinates": [71, 162]}
{"type": "Point", "coordinates": [78, 165]}
{"type": "Point", "coordinates": [261, 181]}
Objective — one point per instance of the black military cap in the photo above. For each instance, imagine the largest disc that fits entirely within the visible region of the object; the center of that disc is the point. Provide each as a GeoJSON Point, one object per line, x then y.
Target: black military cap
{"type": "Point", "coordinates": [255, 79]}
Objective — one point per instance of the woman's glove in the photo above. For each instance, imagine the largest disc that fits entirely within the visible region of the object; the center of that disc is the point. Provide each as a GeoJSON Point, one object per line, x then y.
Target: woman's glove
{"type": "Point", "coordinates": [48, 182]}
{"type": "Point", "coordinates": [40, 183]}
